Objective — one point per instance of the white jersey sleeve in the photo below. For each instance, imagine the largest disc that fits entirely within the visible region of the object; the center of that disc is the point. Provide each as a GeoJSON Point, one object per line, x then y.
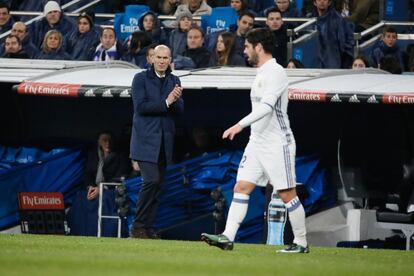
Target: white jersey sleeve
{"type": "Point", "coordinates": [273, 86]}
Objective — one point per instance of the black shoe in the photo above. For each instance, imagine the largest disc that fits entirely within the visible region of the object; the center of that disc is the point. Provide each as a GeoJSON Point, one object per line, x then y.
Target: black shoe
{"type": "Point", "coordinates": [220, 241]}
{"type": "Point", "coordinates": [295, 248]}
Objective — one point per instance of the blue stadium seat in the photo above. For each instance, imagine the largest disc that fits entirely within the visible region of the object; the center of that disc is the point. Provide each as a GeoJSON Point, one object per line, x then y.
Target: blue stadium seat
{"type": "Point", "coordinates": [221, 18]}
{"type": "Point", "coordinates": [126, 23]}
{"type": "Point", "coordinates": [396, 10]}
{"type": "Point", "coordinates": [305, 51]}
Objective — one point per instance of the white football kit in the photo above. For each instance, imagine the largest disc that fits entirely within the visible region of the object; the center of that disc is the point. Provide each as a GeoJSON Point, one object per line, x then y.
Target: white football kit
{"type": "Point", "coordinates": [270, 154]}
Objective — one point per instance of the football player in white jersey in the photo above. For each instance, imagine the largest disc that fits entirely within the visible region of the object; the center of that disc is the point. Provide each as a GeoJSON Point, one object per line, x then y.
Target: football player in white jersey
{"type": "Point", "coordinates": [270, 154]}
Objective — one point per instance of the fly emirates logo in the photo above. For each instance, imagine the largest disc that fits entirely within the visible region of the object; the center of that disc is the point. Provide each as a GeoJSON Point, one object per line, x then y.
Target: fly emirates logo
{"type": "Point", "coordinates": [46, 90]}
{"type": "Point", "coordinates": [42, 200]}
{"type": "Point", "coordinates": [398, 99]}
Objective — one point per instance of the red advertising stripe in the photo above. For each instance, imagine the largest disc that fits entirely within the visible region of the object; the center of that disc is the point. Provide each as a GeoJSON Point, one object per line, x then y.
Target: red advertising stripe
{"type": "Point", "coordinates": [307, 95]}
{"type": "Point", "coordinates": [41, 201]}
{"type": "Point", "coordinates": [48, 89]}
{"type": "Point", "coordinates": [398, 98]}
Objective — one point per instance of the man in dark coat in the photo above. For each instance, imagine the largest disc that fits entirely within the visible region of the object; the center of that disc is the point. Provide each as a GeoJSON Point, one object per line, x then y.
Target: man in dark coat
{"type": "Point", "coordinates": [19, 29]}
{"type": "Point", "coordinates": [54, 19]}
{"type": "Point", "coordinates": [13, 48]}
{"type": "Point", "coordinates": [274, 22]}
{"type": "Point", "coordinates": [6, 21]}
{"type": "Point", "coordinates": [156, 96]}
{"type": "Point", "coordinates": [195, 49]}
{"type": "Point", "coordinates": [335, 37]}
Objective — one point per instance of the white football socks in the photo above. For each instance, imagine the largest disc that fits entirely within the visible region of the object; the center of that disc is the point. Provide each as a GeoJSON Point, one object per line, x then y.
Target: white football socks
{"type": "Point", "coordinates": [297, 220]}
{"type": "Point", "coordinates": [237, 212]}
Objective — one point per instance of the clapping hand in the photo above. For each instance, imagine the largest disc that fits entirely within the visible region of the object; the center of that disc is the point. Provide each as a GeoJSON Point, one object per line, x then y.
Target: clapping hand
{"type": "Point", "coordinates": [175, 94]}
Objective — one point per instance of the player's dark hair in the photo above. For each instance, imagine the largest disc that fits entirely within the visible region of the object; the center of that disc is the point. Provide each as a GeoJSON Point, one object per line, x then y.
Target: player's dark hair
{"type": "Point", "coordinates": [263, 36]}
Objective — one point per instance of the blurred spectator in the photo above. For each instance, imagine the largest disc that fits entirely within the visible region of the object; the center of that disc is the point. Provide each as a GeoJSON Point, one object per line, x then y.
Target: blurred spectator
{"type": "Point", "coordinates": [150, 24]}
{"type": "Point", "coordinates": [294, 63]}
{"type": "Point", "coordinates": [104, 163]}
{"type": "Point", "coordinates": [19, 29]}
{"type": "Point", "coordinates": [150, 54]}
{"type": "Point", "coordinates": [195, 7]}
{"type": "Point", "coordinates": [177, 40]}
{"type": "Point", "coordinates": [362, 13]}
{"type": "Point", "coordinates": [286, 7]}
{"type": "Point", "coordinates": [198, 55]}
{"type": "Point", "coordinates": [52, 47]}
{"type": "Point", "coordinates": [217, 3]}
{"type": "Point", "coordinates": [387, 46]}
{"type": "Point", "coordinates": [390, 64]}
{"type": "Point", "coordinates": [137, 49]}
{"type": "Point", "coordinates": [360, 62]}
{"type": "Point", "coordinates": [240, 6]}
{"type": "Point", "coordinates": [54, 20]}
{"type": "Point", "coordinates": [224, 53]}
{"type": "Point", "coordinates": [6, 21]}
{"type": "Point", "coordinates": [274, 22]}
{"type": "Point", "coordinates": [335, 37]}
{"type": "Point", "coordinates": [13, 48]}
{"type": "Point", "coordinates": [109, 48]}
{"type": "Point", "coordinates": [168, 7]}
{"type": "Point", "coordinates": [81, 44]}
{"type": "Point", "coordinates": [308, 8]}
{"type": "Point", "coordinates": [259, 6]}
{"type": "Point", "coordinates": [244, 24]}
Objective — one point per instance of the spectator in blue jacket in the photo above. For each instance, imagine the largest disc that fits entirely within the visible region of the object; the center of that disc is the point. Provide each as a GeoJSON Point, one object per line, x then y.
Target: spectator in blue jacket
{"type": "Point", "coordinates": [81, 44]}
{"type": "Point", "coordinates": [19, 29]}
{"type": "Point", "coordinates": [385, 47]}
{"type": "Point", "coordinates": [240, 6]}
{"type": "Point", "coordinates": [54, 20]}
{"type": "Point", "coordinates": [52, 47]}
{"type": "Point", "coordinates": [149, 23]}
{"type": "Point", "coordinates": [177, 41]}
{"type": "Point", "coordinates": [6, 21]}
{"type": "Point", "coordinates": [335, 37]}
{"type": "Point", "coordinates": [286, 7]}
{"type": "Point", "coordinates": [137, 49]}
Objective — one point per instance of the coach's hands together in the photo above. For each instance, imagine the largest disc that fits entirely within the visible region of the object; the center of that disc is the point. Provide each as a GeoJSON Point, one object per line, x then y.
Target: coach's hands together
{"type": "Point", "coordinates": [231, 132]}
{"type": "Point", "coordinates": [175, 94]}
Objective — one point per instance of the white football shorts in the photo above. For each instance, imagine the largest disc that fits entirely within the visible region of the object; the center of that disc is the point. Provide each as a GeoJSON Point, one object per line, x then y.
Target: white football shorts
{"type": "Point", "coordinates": [270, 164]}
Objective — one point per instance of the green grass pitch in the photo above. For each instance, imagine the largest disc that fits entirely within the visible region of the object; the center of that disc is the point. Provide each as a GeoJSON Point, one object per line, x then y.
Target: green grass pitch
{"type": "Point", "coordinates": [64, 255]}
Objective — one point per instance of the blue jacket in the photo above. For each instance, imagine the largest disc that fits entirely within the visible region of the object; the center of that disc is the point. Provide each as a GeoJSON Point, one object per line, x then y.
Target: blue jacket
{"type": "Point", "coordinates": [59, 54]}
{"type": "Point", "coordinates": [82, 46]}
{"type": "Point", "coordinates": [158, 34]}
{"type": "Point", "coordinates": [39, 28]}
{"type": "Point", "coordinates": [177, 41]}
{"type": "Point", "coordinates": [6, 27]}
{"type": "Point", "coordinates": [29, 47]}
{"type": "Point", "coordinates": [381, 50]}
{"type": "Point", "coordinates": [153, 123]}
{"type": "Point", "coordinates": [139, 59]}
{"type": "Point", "coordinates": [335, 41]}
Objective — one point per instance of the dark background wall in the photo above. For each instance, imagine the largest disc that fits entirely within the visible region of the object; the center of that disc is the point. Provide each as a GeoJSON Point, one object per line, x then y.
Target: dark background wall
{"type": "Point", "coordinates": [377, 138]}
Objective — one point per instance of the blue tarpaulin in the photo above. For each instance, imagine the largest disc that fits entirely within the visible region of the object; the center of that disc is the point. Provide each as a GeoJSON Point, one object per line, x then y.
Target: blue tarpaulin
{"type": "Point", "coordinates": [188, 186]}
{"type": "Point", "coordinates": [33, 170]}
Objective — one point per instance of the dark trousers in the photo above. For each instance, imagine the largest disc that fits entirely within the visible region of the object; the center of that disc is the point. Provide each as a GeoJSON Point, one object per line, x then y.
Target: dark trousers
{"type": "Point", "coordinates": [149, 195]}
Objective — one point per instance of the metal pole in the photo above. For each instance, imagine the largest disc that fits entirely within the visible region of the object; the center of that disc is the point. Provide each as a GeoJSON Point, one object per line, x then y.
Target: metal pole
{"type": "Point", "coordinates": [100, 209]}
